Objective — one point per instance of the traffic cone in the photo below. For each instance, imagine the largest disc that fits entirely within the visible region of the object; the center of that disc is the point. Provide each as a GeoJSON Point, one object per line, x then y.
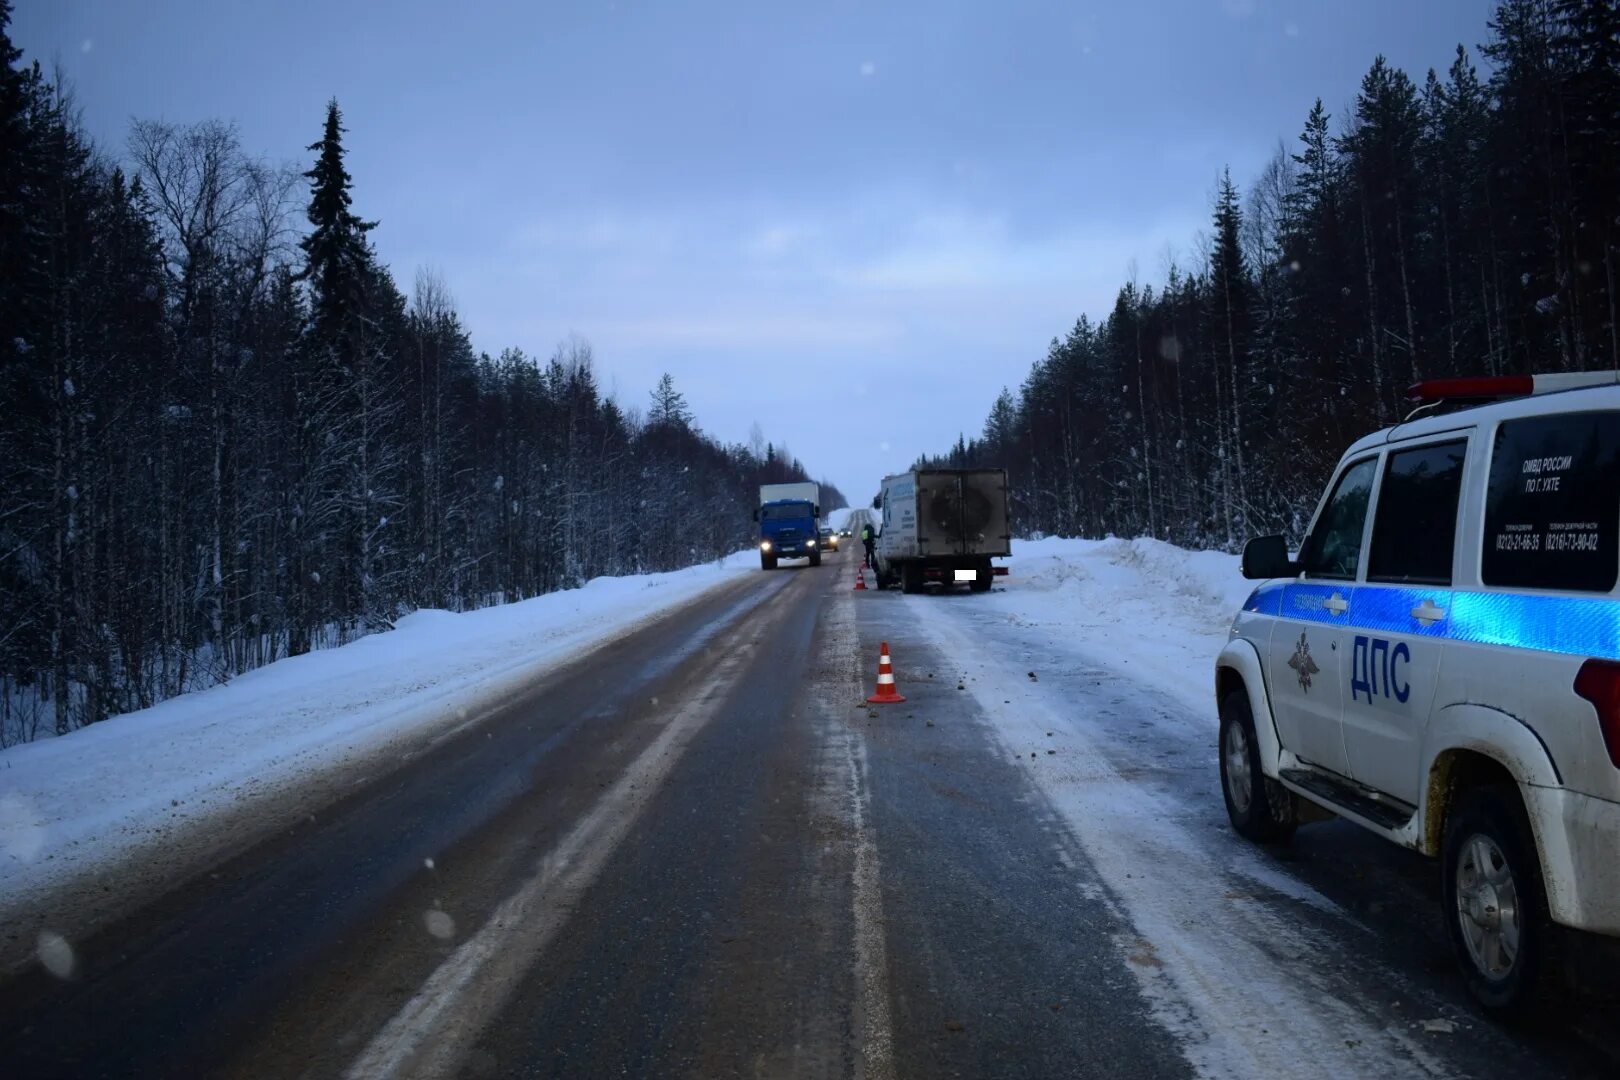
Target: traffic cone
{"type": "Point", "coordinates": [885, 693]}
{"type": "Point", "coordinates": [860, 580]}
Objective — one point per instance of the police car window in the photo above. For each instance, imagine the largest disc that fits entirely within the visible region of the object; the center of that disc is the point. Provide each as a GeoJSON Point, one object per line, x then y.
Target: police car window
{"type": "Point", "coordinates": [1552, 509]}
{"type": "Point", "coordinates": [1334, 547]}
{"type": "Point", "coordinates": [1415, 525]}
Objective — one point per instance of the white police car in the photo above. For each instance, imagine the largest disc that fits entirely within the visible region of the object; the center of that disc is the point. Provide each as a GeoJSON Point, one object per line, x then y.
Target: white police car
{"type": "Point", "coordinates": [1441, 665]}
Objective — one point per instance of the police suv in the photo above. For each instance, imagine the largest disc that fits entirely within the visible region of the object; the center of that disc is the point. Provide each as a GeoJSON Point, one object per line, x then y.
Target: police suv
{"type": "Point", "coordinates": [1441, 665]}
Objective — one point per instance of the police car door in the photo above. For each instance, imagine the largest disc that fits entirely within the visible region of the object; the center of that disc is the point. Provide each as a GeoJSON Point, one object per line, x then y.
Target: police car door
{"type": "Point", "coordinates": [1309, 638]}
{"type": "Point", "coordinates": [1399, 614]}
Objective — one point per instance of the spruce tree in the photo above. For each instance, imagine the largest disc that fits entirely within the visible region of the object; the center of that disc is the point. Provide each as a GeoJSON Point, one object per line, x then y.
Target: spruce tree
{"type": "Point", "coordinates": [1230, 304]}
{"type": "Point", "coordinates": [335, 249]}
{"type": "Point", "coordinates": [669, 408]}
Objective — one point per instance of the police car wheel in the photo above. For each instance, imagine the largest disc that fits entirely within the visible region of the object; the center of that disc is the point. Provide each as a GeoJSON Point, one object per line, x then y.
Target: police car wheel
{"type": "Point", "coordinates": [1261, 809]}
{"type": "Point", "coordinates": [1496, 908]}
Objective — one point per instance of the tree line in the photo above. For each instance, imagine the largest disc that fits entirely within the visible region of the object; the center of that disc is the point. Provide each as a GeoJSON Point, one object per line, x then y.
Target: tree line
{"type": "Point", "coordinates": [1463, 226]}
{"type": "Point", "coordinates": [229, 437]}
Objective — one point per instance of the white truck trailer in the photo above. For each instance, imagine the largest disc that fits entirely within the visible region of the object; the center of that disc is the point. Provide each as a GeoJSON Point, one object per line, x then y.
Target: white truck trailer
{"type": "Point", "coordinates": [942, 525]}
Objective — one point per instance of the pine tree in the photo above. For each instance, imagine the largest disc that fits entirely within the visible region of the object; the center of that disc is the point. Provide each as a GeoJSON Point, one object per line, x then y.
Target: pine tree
{"type": "Point", "coordinates": [1590, 40]}
{"type": "Point", "coordinates": [354, 311]}
{"type": "Point", "coordinates": [669, 408]}
{"type": "Point", "coordinates": [335, 254]}
{"type": "Point", "coordinates": [24, 639]}
{"type": "Point", "coordinates": [1535, 231]}
{"type": "Point", "coordinates": [1230, 305]}
{"type": "Point", "coordinates": [18, 92]}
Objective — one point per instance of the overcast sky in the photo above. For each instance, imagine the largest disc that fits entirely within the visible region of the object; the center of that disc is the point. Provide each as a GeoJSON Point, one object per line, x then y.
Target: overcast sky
{"type": "Point", "coordinates": [851, 222]}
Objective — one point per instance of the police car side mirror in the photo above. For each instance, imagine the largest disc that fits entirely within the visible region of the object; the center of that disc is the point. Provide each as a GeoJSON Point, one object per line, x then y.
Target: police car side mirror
{"type": "Point", "coordinates": [1267, 557]}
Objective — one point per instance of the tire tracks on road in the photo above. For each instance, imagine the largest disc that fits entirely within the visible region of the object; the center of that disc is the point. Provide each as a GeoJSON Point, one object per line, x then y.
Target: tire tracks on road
{"type": "Point", "coordinates": [429, 1036]}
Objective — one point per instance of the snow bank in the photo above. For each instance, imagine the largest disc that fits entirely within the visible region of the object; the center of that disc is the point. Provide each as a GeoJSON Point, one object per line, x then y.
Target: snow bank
{"type": "Point", "coordinates": [1211, 576]}
{"type": "Point", "coordinates": [72, 804]}
{"type": "Point", "coordinates": [1162, 610]}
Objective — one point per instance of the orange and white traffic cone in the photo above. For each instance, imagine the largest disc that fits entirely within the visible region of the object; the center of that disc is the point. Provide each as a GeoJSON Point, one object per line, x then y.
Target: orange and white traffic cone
{"type": "Point", "coordinates": [885, 693]}
{"type": "Point", "coordinates": [860, 580]}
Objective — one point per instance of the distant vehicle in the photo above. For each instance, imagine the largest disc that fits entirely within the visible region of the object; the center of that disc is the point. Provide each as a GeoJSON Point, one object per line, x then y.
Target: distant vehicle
{"type": "Point", "coordinates": [829, 540]}
{"type": "Point", "coordinates": [942, 525]}
{"type": "Point", "coordinates": [789, 517]}
{"type": "Point", "coordinates": [1441, 666]}
{"type": "Point", "coordinates": [858, 519]}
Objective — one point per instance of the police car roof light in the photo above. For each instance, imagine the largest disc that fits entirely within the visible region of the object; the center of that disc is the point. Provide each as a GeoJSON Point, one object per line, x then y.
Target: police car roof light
{"type": "Point", "coordinates": [1500, 387]}
{"type": "Point", "coordinates": [1598, 681]}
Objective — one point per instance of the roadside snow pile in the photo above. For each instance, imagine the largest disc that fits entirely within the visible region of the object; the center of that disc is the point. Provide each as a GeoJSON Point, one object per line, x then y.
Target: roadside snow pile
{"type": "Point", "coordinates": [1211, 576]}
{"type": "Point", "coordinates": [69, 805]}
{"type": "Point", "coordinates": [1160, 609]}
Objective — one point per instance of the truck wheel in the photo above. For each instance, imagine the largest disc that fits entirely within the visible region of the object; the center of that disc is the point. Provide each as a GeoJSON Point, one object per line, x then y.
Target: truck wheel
{"type": "Point", "coordinates": [1496, 907]}
{"type": "Point", "coordinates": [815, 557]}
{"type": "Point", "coordinates": [1261, 809]}
{"type": "Point", "coordinates": [767, 562]}
{"type": "Point", "coordinates": [981, 583]}
{"type": "Point", "coordinates": [910, 578]}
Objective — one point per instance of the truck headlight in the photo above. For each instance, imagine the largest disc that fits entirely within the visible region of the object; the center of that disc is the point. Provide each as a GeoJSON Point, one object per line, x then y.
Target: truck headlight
{"type": "Point", "coordinates": [809, 543]}
{"type": "Point", "coordinates": [764, 545]}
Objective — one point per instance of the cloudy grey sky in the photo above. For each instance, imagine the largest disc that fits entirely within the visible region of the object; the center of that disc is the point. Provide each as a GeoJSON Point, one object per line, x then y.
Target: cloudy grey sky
{"type": "Point", "coordinates": [851, 222]}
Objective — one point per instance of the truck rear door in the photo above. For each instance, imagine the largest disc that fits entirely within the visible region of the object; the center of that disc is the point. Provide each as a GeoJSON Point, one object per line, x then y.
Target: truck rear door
{"type": "Point", "coordinates": [962, 513]}
{"type": "Point", "coordinates": [985, 529]}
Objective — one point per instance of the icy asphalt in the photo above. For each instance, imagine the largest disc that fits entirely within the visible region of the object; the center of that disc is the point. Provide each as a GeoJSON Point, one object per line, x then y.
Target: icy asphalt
{"type": "Point", "coordinates": [697, 852]}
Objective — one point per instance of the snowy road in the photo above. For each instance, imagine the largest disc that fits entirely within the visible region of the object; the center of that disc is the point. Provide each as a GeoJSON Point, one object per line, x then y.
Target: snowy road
{"type": "Point", "coordinates": [694, 852]}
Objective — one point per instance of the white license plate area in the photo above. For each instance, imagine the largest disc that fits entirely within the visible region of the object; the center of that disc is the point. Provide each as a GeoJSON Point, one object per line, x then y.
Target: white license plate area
{"type": "Point", "coordinates": [967, 575]}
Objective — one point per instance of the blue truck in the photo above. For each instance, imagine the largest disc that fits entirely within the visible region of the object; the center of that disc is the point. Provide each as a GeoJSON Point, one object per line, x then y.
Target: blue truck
{"type": "Point", "coordinates": [789, 517]}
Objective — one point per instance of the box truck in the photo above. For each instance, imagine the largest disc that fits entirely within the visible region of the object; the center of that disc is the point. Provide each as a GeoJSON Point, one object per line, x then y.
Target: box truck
{"type": "Point", "coordinates": [789, 517]}
{"type": "Point", "coordinates": [942, 525]}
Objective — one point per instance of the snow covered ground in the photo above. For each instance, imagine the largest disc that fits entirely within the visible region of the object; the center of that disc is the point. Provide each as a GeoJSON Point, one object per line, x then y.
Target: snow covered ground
{"type": "Point", "coordinates": [1095, 668]}
{"type": "Point", "coordinates": [1157, 609]}
{"type": "Point", "coordinates": [73, 806]}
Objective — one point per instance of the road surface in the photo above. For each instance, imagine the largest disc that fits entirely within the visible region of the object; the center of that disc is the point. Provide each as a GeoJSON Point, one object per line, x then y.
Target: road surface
{"type": "Point", "coordinates": [696, 852]}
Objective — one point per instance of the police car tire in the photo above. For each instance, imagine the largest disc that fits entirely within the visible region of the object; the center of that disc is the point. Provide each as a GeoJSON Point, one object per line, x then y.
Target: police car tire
{"type": "Point", "coordinates": [1270, 817]}
{"type": "Point", "coordinates": [1531, 985]}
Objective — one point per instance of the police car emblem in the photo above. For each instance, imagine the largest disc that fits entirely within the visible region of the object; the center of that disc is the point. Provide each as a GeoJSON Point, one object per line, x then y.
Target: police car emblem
{"type": "Point", "coordinates": [1302, 663]}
